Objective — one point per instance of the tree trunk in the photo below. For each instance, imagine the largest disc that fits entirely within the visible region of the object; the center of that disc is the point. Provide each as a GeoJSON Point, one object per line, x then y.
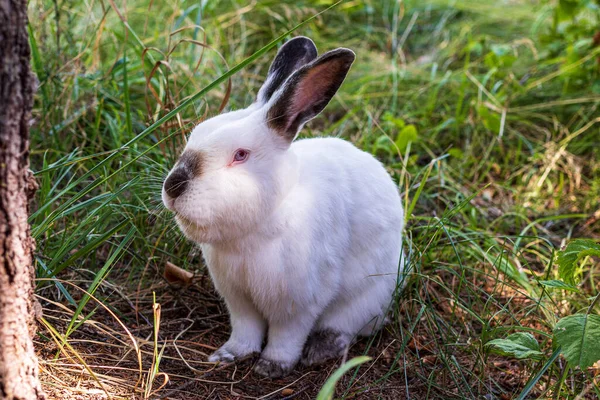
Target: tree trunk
{"type": "Point", "coordinates": [18, 363]}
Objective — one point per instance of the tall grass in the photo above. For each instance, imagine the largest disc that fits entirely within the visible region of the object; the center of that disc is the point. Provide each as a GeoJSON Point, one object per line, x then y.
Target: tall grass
{"type": "Point", "coordinates": [484, 112]}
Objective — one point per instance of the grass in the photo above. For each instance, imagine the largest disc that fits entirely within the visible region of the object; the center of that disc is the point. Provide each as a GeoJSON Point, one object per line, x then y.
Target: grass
{"type": "Point", "coordinates": [485, 113]}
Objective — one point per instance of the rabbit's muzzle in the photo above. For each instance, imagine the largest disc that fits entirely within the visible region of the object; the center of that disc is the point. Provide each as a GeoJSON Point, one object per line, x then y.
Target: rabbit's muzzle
{"type": "Point", "coordinates": [177, 182]}
{"type": "Point", "coordinates": [188, 167]}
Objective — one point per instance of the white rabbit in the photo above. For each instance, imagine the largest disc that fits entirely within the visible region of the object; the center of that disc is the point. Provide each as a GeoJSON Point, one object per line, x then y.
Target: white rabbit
{"type": "Point", "coordinates": [302, 239]}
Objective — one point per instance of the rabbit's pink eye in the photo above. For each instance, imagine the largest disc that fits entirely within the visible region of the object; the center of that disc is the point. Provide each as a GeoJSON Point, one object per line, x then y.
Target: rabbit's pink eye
{"type": "Point", "coordinates": [241, 155]}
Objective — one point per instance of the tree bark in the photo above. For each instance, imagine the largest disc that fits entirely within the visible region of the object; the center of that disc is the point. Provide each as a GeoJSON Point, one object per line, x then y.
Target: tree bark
{"type": "Point", "coordinates": [18, 363]}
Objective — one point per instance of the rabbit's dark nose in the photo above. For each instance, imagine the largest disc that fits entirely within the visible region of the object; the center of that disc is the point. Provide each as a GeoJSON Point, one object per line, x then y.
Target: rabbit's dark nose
{"type": "Point", "coordinates": [177, 182]}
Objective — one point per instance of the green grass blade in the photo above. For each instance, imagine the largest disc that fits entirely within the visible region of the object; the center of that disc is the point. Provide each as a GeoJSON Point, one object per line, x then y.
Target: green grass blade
{"type": "Point", "coordinates": [126, 97]}
{"type": "Point", "coordinates": [100, 276]}
{"type": "Point", "coordinates": [532, 382]}
{"type": "Point", "coordinates": [328, 389]}
{"type": "Point", "coordinates": [38, 64]}
{"type": "Point", "coordinates": [91, 246]}
{"type": "Point", "coordinates": [416, 196]}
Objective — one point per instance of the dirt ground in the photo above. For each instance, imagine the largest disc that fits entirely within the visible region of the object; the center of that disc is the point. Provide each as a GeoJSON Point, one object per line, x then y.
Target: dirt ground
{"type": "Point", "coordinates": [192, 322]}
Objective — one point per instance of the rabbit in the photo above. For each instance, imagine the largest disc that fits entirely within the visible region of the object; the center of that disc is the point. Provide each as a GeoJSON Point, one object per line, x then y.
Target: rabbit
{"type": "Point", "coordinates": [302, 239]}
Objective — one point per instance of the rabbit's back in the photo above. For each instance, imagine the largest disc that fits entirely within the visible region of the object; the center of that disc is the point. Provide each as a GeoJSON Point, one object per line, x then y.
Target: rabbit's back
{"type": "Point", "coordinates": [356, 185]}
{"type": "Point", "coordinates": [333, 167]}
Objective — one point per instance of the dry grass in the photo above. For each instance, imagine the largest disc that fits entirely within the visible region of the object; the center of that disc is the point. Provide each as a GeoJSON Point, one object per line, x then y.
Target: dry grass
{"type": "Point", "coordinates": [412, 358]}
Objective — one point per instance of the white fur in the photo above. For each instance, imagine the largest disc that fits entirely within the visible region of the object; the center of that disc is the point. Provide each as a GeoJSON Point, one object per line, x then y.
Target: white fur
{"type": "Point", "coordinates": [298, 238]}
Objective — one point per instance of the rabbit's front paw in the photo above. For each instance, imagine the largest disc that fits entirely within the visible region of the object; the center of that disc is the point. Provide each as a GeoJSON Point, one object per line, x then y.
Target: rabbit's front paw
{"type": "Point", "coordinates": [272, 369]}
{"type": "Point", "coordinates": [222, 354]}
{"type": "Point", "coordinates": [231, 351]}
{"type": "Point", "coordinates": [324, 345]}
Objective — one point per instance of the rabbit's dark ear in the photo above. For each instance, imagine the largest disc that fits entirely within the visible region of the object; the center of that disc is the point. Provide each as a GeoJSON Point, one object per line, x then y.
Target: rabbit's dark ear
{"type": "Point", "coordinates": [306, 93]}
{"type": "Point", "coordinates": [294, 54]}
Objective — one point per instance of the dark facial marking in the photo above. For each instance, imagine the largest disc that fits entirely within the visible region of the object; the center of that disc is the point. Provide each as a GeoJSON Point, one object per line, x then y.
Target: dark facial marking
{"type": "Point", "coordinates": [188, 167]}
{"type": "Point", "coordinates": [192, 162]}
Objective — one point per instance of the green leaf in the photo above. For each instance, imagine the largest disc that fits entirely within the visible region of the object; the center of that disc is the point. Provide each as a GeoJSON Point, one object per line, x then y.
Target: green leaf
{"type": "Point", "coordinates": [456, 153]}
{"type": "Point", "coordinates": [579, 337]}
{"type": "Point", "coordinates": [474, 47]}
{"type": "Point", "coordinates": [558, 284]}
{"type": "Point", "coordinates": [567, 8]}
{"type": "Point", "coordinates": [406, 135]}
{"type": "Point", "coordinates": [328, 389]}
{"type": "Point", "coordinates": [575, 251]}
{"type": "Point", "coordinates": [520, 345]}
{"type": "Point", "coordinates": [490, 120]}
{"type": "Point", "coordinates": [397, 123]}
